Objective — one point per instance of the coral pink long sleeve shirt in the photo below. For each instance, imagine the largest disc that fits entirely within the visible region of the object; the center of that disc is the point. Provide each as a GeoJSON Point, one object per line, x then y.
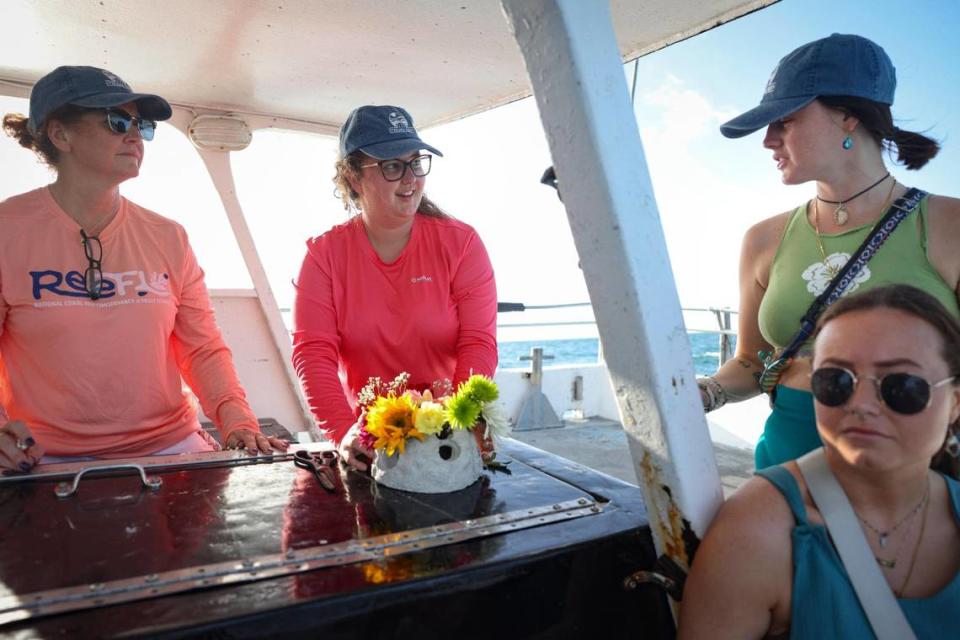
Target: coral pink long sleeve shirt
{"type": "Point", "coordinates": [103, 377]}
{"type": "Point", "coordinates": [432, 313]}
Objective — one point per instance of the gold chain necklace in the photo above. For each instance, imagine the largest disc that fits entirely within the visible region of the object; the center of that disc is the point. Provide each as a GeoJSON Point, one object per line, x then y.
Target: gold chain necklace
{"type": "Point", "coordinates": [831, 270]}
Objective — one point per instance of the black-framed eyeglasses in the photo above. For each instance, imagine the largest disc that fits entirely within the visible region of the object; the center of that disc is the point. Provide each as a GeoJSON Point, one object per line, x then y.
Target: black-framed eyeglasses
{"type": "Point", "coordinates": [393, 170]}
{"type": "Point", "coordinates": [120, 121]}
{"type": "Point", "coordinates": [93, 276]}
{"type": "Point", "coordinates": [904, 393]}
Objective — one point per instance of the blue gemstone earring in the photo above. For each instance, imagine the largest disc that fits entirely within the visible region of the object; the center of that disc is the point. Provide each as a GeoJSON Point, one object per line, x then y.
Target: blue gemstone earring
{"type": "Point", "coordinates": [848, 143]}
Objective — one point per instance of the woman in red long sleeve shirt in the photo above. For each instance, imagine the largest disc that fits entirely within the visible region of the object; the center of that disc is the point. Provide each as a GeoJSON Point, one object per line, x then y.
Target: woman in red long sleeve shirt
{"type": "Point", "coordinates": [401, 286]}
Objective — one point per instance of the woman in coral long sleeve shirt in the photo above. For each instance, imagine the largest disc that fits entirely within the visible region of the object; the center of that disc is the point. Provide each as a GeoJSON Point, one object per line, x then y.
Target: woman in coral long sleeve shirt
{"type": "Point", "coordinates": [102, 303]}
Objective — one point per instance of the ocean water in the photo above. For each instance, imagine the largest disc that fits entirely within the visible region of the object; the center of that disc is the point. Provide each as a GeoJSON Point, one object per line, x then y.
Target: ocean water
{"type": "Point", "coordinates": [705, 347]}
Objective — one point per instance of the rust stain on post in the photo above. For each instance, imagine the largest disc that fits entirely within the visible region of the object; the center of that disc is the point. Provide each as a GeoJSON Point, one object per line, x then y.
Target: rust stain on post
{"type": "Point", "coordinates": [673, 530]}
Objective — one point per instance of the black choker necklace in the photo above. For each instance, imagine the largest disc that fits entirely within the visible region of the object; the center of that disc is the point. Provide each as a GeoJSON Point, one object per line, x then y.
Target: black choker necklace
{"type": "Point", "coordinates": [840, 215]}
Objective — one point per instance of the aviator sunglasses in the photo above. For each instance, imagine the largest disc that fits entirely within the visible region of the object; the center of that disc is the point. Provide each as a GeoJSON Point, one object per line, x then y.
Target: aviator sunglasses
{"type": "Point", "coordinates": [393, 170]}
{"type": "Point", "coordinates": [904, 393]}
{"type": "Point", "coordinates": [120, 121]}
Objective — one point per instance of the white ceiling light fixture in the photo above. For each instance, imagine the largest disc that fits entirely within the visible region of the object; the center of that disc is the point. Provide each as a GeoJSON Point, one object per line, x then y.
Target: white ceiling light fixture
{"type": "Point", "coordinates": [219, 133]}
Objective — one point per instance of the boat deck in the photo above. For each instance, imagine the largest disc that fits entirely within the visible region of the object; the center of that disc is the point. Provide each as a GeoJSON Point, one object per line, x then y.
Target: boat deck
{"type": "Point", "coordinates": [601, 444]}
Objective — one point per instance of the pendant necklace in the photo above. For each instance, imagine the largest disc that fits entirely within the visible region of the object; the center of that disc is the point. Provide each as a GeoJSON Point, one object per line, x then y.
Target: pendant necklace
{"type": "Point", "coordinates": [883, 536]}
{"type": "Point", "coordinates": [840, 214]}
{"type": "Point", "coordinates": [831, 270]}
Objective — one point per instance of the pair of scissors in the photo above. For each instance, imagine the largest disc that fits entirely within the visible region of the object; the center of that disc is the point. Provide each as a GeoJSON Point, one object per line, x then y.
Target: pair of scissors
{"type": "Point", "coordinates": [322, 465]}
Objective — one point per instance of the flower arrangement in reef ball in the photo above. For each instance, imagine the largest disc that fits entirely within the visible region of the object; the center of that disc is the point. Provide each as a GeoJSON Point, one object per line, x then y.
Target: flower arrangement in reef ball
{"type": "Point", "coordinates": [394, 413]}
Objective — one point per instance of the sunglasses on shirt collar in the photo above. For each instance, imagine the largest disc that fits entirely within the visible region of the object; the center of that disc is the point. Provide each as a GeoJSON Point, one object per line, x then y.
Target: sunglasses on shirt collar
{"type": "Point", "coordinates": [904, 393]}
{"type": "Point", "coordinates": [93, 276]}
{"type": "Point", "coordinates": [121, 122]}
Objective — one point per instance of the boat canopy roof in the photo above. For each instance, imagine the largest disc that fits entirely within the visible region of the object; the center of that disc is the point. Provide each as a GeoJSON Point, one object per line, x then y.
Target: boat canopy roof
{"type": "Point", "coordinates": [307, 63]}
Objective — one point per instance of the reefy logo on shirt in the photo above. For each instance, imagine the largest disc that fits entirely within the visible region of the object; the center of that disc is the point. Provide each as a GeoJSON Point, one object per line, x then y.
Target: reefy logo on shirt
{"type": "Point", "coordinates": [417, 279]}
{"type": "Point", "coordinates": [398, 123]}
{"type": "Point", "coordinates": [120, 284]}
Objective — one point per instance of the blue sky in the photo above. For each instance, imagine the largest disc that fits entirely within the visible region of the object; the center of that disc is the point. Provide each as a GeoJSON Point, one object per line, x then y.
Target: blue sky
{"type": "Point", "coordinates": [742, 54]}
{"type": "Point", "coordinates": [709, 189]}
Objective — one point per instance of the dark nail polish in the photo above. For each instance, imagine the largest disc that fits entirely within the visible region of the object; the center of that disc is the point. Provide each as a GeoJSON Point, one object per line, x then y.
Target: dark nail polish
{"type": "Point", "coordinates": [26, 466]}
{"type": "Point", "coordinates": [30, 442]}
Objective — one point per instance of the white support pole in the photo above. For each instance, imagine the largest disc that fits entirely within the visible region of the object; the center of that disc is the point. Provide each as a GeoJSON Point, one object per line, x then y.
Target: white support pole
{"type": "Point", "coordinates": [577, 75]}
{"type": "Point", "coordinates": [218, 166]}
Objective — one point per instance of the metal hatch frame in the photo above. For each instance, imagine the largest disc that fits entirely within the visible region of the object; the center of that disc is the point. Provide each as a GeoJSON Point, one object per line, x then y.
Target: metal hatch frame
{"type": "Point", "coordinates": [606, 533]}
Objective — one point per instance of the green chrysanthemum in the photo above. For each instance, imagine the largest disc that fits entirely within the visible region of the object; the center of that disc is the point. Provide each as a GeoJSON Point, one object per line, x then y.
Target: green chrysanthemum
{"type": "Point", "coordinates": [480, 388]}
{"type": "Point", "coordinates": [463, 411]}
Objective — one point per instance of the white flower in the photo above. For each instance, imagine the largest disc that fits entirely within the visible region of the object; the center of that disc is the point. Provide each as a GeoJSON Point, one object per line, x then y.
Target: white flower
{"type": "Point", "coordinates": [819, 274]}
{"type": "Point", "coordinates": [498, 425]}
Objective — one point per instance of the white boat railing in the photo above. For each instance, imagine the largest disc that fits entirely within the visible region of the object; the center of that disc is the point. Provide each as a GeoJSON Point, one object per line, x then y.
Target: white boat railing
{"type": "Point", "coordinates": [723, 316]}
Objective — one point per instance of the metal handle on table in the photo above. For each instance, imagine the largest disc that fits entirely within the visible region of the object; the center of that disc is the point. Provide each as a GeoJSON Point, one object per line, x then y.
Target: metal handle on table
{"type": "Point", "coordinates": [67, 489]}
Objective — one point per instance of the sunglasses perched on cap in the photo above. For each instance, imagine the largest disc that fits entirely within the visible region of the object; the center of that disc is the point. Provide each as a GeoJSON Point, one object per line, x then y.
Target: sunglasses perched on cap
{"type": "Point", "coordinates": [120, 121]}
{"type": "Point", "coordinates": [904, 393]}
{"type": "Point", "coordinates": [393, 170]}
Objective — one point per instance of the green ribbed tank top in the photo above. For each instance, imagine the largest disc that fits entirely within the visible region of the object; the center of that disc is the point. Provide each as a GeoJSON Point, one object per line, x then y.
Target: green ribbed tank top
{"type": "Point", "coordinates": [798, 274]}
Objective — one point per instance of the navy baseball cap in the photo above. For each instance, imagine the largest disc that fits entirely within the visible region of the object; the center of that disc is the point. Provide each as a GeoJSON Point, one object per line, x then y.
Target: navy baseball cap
{"type": "Point", "coordinates": [841, 65]}
{"type": "Point", "coordinates": [88, 87]}
{"type": "Point", "coordinates": [382, 132]}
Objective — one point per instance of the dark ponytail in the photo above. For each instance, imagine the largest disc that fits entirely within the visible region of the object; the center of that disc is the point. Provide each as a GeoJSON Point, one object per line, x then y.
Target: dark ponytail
{"type": "Point", "coordinates": [913, 149]}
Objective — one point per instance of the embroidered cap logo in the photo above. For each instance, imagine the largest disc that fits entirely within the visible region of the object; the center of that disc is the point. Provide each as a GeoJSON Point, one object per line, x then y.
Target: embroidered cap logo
{"type": "Point", "coordinates": [398, 123]}
{"type": "Point", "coordinates": [111, 80]}
{"type": "Point", "coordinates": [772, 82]}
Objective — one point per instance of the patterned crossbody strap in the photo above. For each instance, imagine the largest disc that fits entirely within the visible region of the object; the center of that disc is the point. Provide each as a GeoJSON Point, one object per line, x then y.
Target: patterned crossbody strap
{"type": "Point", "coordinates": [897, 212]}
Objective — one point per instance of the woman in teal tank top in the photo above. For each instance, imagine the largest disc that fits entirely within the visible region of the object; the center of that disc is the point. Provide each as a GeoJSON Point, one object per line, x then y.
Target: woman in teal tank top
{"type": "Point", "coordinates": [827, 115]}
{"type": "Point", "coordinates": [887, 386]}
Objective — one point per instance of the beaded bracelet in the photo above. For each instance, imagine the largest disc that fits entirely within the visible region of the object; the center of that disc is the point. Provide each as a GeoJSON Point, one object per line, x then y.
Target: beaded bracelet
{"type": "Point", "coordinates": [716, 397]}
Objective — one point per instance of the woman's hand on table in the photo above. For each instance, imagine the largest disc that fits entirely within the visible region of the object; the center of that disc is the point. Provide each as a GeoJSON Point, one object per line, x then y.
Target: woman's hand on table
{"type": "Point", "coordinates": [352, 452]}
{"type": "Point", "coordinates": [254, 442]}
{"type": "Point", "coordinates": [18, 450]}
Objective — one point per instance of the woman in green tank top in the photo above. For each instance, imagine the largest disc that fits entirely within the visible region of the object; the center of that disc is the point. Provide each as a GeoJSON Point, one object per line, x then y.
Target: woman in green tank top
{"type": "Point", "coordinates": [827, 115]}
{"type": "Point", "coordinates": [887, 384]}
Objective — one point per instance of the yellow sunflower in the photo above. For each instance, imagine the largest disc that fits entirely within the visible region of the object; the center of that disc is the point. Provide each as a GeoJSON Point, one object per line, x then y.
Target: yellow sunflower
{"type": "Point", "coordinates": [391, 420]}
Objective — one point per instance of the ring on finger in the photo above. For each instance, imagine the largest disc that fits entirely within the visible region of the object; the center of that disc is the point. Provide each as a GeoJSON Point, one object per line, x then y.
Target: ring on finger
{"type": "Point", "coordinates": [22, 444]}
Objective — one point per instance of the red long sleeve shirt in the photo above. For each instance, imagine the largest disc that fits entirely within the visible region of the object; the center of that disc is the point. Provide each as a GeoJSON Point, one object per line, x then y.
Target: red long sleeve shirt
{"type": "Point", "coordinates": [432, 313]}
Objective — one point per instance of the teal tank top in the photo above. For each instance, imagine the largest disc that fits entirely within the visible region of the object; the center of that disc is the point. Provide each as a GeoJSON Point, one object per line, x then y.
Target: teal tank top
{"type": "Point", "coordinates": [798, 273]}
{"type": "Point", "coordinates": [824, 604]}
